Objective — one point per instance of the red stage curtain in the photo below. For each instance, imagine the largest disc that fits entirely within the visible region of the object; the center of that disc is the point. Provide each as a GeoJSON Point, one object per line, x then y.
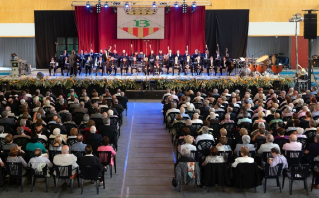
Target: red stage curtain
{"type": "Point", "coordinates": [180, 30]}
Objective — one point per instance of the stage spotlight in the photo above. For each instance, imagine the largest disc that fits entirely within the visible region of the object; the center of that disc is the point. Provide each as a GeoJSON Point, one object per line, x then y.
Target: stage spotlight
{"type": "Point", "coordinates": [106, 5]}
{"type": "Point", "coordinates": [114, 10]}
{"type": "Point", "coordinates": [194, 4]}
{"type": "Point", "coordinates": [154, 4]}
{"type": "Point", "coordinates": [184, 6]}
{"type": "Point", "coordinates": [126, 5]}
{"type": "Point", "coordinates": [98, 8]}
{"type": "Point", "coordinates": [88, 5]}
{"type": "Point", "coordinates": [168, 10]}
{"type": "Point", "coordinates": [176, 5]}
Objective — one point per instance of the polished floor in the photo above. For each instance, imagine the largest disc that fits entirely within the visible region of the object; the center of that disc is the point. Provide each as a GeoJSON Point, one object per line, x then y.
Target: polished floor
{"type": "Point", "coordinates": [145, 166]}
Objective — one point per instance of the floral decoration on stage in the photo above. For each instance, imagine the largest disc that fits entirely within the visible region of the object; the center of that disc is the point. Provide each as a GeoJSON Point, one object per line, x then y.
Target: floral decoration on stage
{"type": "Point", "coordinates": [161, 82]}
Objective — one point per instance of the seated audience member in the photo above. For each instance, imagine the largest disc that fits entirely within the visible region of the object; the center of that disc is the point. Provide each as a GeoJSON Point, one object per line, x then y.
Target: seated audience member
{"type": "Point", "coordinates": [20, 133]}
{"type": "Point", "coordinates": [213, 157]}
{"type": "Point", "coordinates": [277, 159]}
{"type": "Point", "coordinates": [73, 133]}
{"type": "Point", "coordinates": [196, 119]}
{"type": "Point", "coordinates": [183, 114]}
{"type": "Point", "coordinates": [90, 160]}
{"type": "Point", "coordinates": [227, 119]}
{"type": "Point", "coordinates": [38, 159]}
{"type": "Point", "coordinates": [259, 135]}
{"type": "Point", "coordinates": [13, 157]}
{"type": "Point", "coordinates": [303, 112]}
{"type": "Point", "coordinates": [106, 147]}
{"type": "Point", "coordinates": [312, 150]}
{"type": "Point", "coordinates": [9, 143]}
{"type": "Point", "coordinates": [281, 134]}
{"type": "Point", "coordinates": [305, 123]}
{"type": "Point", "coordinates": [312, 126]}
{"type": "Point", "coordinates": [78, 146]}
{"type": "Point", "coordinates": [222, 145]}
{"type": "Point", "coordinates": [268, 145]}
{"type": "Point", "coordinates": [244, 151]}
{"type": "Point", "coordinates": [57, 144]}
{"type": "Point", "coordinates": [244, 119]}
{"type": "Point", "coordinates": [205, 135]}
{"type": "Point", "coordinates": [246, 143]}
{"type": "Point", "coordinates": [23, 123]}
{"type": "Point", "coordinates": [261, 116]}
{"type": "Point", "coordinates": [57, 132]}
{"type": "Point", "coordinates": [188, 143]}
{"type": "Point", "coordinates": [34, 144]}
{"type": "Point", "coordinates": [277, 119]}
{"type": "Point", "coordinates": [186, 156]}
{"type": "Point", "coordinates": [293, 145]}
{"type": "Point", "coordinates": [2, 132]}
{"type": "Point", "coordinates": [299, 133]}
{"type": "Point", "coordinates": [66, 159]}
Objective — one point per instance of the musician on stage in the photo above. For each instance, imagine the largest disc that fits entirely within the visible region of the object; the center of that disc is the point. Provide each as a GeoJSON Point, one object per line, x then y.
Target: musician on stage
{"type": "Point", "coordinates": [73, 58]}
{"type": "Point", "coordinates": [92, 54]}
{"type": "Point", "coordinates": [210, 66]}
{"type": "Point", "coordinates": [65, 54]}
{"type": "Point", "coordinates": [101, 53]}
{"type": "Point", "coordinates": [217, 55]}
{"type": "Point", "coordinates": [160, 55]}
{"type": "Point", "coordinates": [198, 66]}
{"type": "Point", "coordinates": [227, 64]}
{"type": "Point", "coordinates": [165, 64]}
{"type": "Point", "coordinates": [105, 55]}
{"type": "Point", "coordinates": [205, 58]}
{"type": "Point", "coordinates": [115, 55]}
{"type": "Point", "coordinates": [64, 65]}
{"type": "Point", "coordinates": [145, 66]}
{"type": "Point", "coordinates": [82, 60]}
{"type": "Point", "coordinates": [195, 54]}
{"type": "Point", "coordinates": [157, 66]}
{"type": "Point", "coordinates": [141, 56]}
{"type": "Point", "coordinates": [52, 66]}
{"type": "Point", "coordinates": [188, 64]}
{"type": "Point", "coordinates": [112, 65]}
{"type": "Point", "coordinates": [100, 64]}
{"type": "Point", "coordinates": [123, 55]}
{"type": "Point", "coordinates": [151, 59]}
{"type": "Point", "coordinates": [135, 55]}
{"type": "Point", "coordinates": [88, 66]}
{"type": "Point", "coordinates": [124, 65]}
{"type": "Point", "coordinates": [133, 65]}
{"type": "Point", "coordinates": [185, 55]}
{"type": "Point", "coordinates": [176, 65]}
{"type": "Point", "coordinates": [178, 55]}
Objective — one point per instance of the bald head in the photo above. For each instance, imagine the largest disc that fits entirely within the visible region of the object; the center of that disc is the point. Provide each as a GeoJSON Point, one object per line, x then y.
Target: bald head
{"type": "Point", "coordinates": [292, 138]}
{"type": "Point", "coordinates": [65, 149]}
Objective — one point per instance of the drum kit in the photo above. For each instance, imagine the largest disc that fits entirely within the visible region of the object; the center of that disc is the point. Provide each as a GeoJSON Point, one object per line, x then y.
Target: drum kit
{"type": "Point", "coordinates": [261, 66]}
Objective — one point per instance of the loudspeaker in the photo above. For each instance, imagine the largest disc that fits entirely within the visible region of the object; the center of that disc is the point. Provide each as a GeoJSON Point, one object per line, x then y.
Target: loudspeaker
{"type": "Point", "coordinates": [40, 75]}
{"type": "Point", "coordinates": [310, 26]}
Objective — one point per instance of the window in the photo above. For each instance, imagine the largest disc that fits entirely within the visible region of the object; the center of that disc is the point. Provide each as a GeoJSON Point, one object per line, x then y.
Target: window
{"type": "Point", "coordinates": [67, 43]}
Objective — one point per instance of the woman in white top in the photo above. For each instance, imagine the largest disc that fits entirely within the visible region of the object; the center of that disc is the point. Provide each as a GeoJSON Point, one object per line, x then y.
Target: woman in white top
{"type": "Point", "coordinates": [188, 143]}
{"type": "Point", "coordinates": [213, 157]}
{"type": "Point", "coordinates": [244, 151]}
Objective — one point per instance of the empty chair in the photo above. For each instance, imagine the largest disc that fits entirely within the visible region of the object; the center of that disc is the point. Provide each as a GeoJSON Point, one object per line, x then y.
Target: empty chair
{"type": "Point", "coordinates": [298, 172]}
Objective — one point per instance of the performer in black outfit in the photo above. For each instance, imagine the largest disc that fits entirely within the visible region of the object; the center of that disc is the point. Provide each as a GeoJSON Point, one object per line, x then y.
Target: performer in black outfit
{"type": "Point", "coordinates": [151, 59]}
{"type": "Point", "coordinates": [185, 55]}
{"type": "Point", "coordinates": [188, 64]}
{"type": "Point", "coordinates": [165, 64]}
{"type": "Point", "coordinates": [112, 65]}
{"type": "Point", "coordinates": [81, 62]}
{"type": "Point", "coordinates": [124, 66]}
{"type": "Point", "coordinates": [160, 55]}
{"type": "Point", "coordinates": [64, 65]}
{"type": "Point", "coordinates": [100, 64]}
{"type": "Point", "coordinates": [210, 66]}
{"type": "Point", "coordinates": [177, 65]}
{"type": "Point", "coordinates": [73, 58]}
{"type": "Point", "coordinates": [88, 66]}
{"type": "Point", "coordinates": [198, 66]}
{"type": "Point", "coordinates": [195, 54]}
{"type": "Point", "coordinates": [133, 65]}
{"type": "Point", "coordinates": [227, 64]}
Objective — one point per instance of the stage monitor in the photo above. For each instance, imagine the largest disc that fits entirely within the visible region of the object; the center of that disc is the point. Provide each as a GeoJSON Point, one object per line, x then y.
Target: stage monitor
{"type": "Point", "coordinates": [140, 23]}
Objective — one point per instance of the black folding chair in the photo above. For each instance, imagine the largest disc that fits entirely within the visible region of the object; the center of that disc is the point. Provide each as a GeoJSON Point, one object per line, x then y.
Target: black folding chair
{"type": "Point", "coordinates": [40, 174]}
{"type": "Point", "coordinates": [105, 157]}
{"type": "Point", "coordinates": [63, 172]}
{"type": "Point", "coordinates": [14, 170]}
{"type": "Point", "coordinates": [91, 173]}
{"type": "Point", "coordinates": [298, 172]}
{"type": "Point", "coordinates": [272, 173]}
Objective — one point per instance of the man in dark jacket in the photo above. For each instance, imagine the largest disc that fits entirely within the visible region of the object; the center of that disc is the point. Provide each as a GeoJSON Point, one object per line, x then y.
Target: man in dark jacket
{"type": "Point", "coordinates": [90, 160]}
{"type": "Point", "coordinates": [106, 129]}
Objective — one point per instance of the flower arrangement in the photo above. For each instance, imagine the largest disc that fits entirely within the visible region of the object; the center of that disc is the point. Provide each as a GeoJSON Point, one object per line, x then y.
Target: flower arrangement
{"type": "Point", "coordinates": [161, 82]}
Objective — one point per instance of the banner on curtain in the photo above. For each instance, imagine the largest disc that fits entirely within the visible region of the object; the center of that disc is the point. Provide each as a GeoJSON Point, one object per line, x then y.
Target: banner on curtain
{"type": "Point", "coordinates": [140, 23]}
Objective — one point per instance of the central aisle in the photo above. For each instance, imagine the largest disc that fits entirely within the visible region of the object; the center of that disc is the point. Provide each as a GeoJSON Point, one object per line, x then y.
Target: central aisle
{"type": "Point", "coordinates": [150, 165]}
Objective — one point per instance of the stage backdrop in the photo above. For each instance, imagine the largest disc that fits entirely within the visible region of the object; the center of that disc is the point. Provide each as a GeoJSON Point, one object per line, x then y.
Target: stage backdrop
{"type": "Point", "coordinates": [229, 29]}
{"type": "Point", "coordinates": [181, 30]}
{"type": "Point", "coordinates": [141, 23]}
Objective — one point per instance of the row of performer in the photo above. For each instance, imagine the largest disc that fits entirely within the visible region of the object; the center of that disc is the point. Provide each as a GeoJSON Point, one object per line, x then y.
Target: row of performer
{"type": "Point", "coordinates": [156, 64]}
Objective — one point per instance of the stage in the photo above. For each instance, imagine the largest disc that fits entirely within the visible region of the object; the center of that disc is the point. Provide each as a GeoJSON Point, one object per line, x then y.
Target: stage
{"type": "Point", "coordinates": [140, 81]}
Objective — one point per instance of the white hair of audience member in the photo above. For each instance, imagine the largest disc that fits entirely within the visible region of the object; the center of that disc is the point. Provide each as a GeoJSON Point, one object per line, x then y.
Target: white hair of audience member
{"type": "Point", "coordinates": [65, 149]}
{"type": "Point", "coordinates": [184, 106]}
{"type": "Point", "coordinates": [182, 110]}
{"type": "Point", "coordinates": [173, 105]}
{"type": "Point", "coordinates": [300, 130]}
{"type": "Point", "coordinates": [261, 125]}
{"type": "Point", "coordinates": [8, 108]}
{"type": "Point", "coordinates": [61, 101]}
{"type": "Point", "coordinates": [86, 117]}
{"type": "Point", "coordinates": [212, 115]}
{"type": "Point", "coordinates": [233, 94]}
{"type": "Point", "coordinates": [95, 105]}
{"type": "Point", "coordinates": [110, 112]}
{"type": "Point", "coordinates": [93, 129]}
{"type": "Point", "coordinates": [197, 111]}
{"type": "Point", "coordinates": [247, 96]}
{"type": "Point", "coordinates": [76, 101]}
{"type": "Point", "coordinates": [215, 91]}
{"type": "Point", "coordinates": [212, 110]}
{"type": "Point", "coordinates": [237, 91]}
{"type": "Point", "coordinates": [288, 109]}
{"type": "Point", "coordinates": [22, 101]}
{"type": "Point", "coordinates": [204, 129]}
{"type": "Point", "coordinates": [305, 108]}
{"type": "Point", "coordinates": [104, 115]}
{"type": "Point", "coordinates": [56, 131]}
{"type": "Point", "coordinates": [246, 139]}
{"type": "Point", "coordinates": [186, 152]}
{"type": "Point", "coordinates": [195, 116]}
{"type": "Point", "coordinates": [188, 122]}
{"type": "Point", "coordinates": [293, 138]}
{"type": "Point", "coordinates": [47, 103]}
{"type": "Point", "coordinates": [227, 116]}
{"type": "Point", "coordinates": [270, 138]}
{"type": "Point", "coordinates": [190, 107]}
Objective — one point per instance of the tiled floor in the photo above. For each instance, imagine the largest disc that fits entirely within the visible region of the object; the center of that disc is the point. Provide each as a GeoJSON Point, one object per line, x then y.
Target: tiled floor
{"type": "Point", "coordinates": [145, 166]}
